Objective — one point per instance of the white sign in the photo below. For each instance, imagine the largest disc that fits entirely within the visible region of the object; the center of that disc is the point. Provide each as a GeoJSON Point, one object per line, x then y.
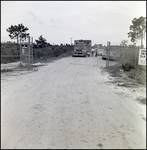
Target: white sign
{"type": "Point", "coordinates": [142, 57]}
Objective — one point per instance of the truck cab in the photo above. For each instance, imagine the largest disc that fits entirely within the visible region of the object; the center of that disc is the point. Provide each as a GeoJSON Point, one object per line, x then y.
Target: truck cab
{"type": "Point", "coordinates": [82, 48]}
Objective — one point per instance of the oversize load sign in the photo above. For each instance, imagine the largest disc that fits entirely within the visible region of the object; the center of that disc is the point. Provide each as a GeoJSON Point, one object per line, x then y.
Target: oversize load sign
{"type": "Point", "coordinates": [142, 57]}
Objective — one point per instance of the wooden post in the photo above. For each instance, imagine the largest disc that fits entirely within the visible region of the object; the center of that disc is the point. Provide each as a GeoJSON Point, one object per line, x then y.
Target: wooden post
{"type": "Point", "coordinates": [107, 54]}
{"type": "Point", "coordinates": [136, 57]}
{"type": "Point", "coordinates": [20, 53]}
{"type": "Point", "coordinates": [29, 53]}
{"type": "Point", "coordinates": [32, 51]}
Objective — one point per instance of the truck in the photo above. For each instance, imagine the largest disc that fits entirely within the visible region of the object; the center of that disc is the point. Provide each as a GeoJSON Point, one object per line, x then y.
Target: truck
{"type": "Point", "coordinates": [82, 48]}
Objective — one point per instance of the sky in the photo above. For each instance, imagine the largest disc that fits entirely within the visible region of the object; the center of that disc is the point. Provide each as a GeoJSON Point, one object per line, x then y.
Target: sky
{"type": "Point", "coordinates": [65, 21]}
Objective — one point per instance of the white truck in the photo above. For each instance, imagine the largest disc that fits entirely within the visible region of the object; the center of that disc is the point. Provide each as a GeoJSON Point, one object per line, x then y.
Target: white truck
{"type": "Point", "coordinates": [82, 48]}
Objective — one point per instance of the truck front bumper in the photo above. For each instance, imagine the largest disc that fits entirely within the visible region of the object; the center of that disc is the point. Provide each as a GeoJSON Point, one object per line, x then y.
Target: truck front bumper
{"type": "Point", "coordinates": [77, 53]}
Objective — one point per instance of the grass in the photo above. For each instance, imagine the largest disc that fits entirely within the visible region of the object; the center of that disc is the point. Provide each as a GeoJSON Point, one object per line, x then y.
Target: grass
{"type": "Point", "coordinates": [142, 100]}
{"type": "Point", "coordinates": [36, 60]}
{"type": "Point", "coordinates": [134, 76]}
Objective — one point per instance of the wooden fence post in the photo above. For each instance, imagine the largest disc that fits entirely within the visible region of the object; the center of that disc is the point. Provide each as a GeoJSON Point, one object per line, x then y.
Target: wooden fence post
{"type": "Point", "coordinates": [29, 52]}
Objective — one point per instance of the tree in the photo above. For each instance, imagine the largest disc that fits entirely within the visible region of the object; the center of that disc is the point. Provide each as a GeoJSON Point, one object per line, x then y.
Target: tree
{"type": "Point", "coordinates": [18, 32]}
{"type": "Point", "coordinates": [124, 43]}
{"type": "Point", "coordinates": [138, 30]}
{"type": "Point", "coordinates": [95, 46]}
{"type": "Point", "coordinates": [41, 42]}
{"type": "Point", "coordinates": [100, 45]}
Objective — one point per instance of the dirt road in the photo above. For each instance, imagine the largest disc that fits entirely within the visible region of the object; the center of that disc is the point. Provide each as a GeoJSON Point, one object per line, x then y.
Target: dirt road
{"type": "Point", "coordinates": [68, 104]}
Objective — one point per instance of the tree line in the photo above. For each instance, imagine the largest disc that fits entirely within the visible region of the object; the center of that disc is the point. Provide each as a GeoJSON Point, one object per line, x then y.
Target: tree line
{"type": "Point", "coordinates": [13, 52]}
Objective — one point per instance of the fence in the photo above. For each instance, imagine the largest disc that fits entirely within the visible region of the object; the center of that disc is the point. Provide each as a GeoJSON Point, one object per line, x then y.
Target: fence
{"type": "Point", "coordinates": [26, 55]}
{"type": "Point", "coordinates": [10, 52]}
{"type": "Point", "coordinates": [125, 55]}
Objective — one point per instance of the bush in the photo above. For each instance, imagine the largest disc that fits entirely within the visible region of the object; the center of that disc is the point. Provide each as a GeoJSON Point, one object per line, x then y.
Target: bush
{"type": "Point", "coordinates": [9, 49]}
{"type": "Point", "coordinates": [46, 52]}
{"type": "Point", "coordinates": [127, 67]}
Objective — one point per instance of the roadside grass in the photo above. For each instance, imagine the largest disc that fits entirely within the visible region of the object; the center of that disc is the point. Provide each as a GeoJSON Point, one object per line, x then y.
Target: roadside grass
{"type": "Point", "coordinates": [51, 59]}
{"type": "Point", "coordinates": [131, 78]}
{"type": "Point", "coordinates": [37, 61]}
{"type": "Point", "coordinates": [141, 100]}
{"type": "Point", "coordinates": [12, 69]}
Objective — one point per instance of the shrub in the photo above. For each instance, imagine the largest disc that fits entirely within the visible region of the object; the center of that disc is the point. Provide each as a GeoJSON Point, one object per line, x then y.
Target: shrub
{"type": "Point", "coordinates": [127, 66]}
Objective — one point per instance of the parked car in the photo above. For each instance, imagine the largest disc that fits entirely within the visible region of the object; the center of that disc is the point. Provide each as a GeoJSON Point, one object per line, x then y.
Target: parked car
{"type": "Point", "coordinates": [105, 55]}
{"type": "Point", "coordinates": [100, 52]}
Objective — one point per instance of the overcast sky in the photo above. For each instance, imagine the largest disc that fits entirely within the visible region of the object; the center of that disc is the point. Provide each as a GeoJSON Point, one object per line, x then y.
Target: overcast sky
{"type": "Point", "coordinates": [59, 21]}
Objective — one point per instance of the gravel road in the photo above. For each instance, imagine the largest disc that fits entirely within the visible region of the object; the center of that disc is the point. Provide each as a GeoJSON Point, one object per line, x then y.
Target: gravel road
{"type": "Point", "coordinates": [69, 104]}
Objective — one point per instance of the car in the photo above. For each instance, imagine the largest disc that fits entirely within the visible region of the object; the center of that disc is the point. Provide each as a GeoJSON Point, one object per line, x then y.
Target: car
{"type": "Point", "coordinates": [100, 52]}
{"type": "Point", "coordinates": [105, 55]}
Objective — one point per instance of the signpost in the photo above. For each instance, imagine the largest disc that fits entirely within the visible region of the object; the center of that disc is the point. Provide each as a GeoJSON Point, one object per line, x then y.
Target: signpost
{"type": "Point", "coordinates": [142, 57]}
{"type": "Point", "coordinates": [107, 54]}
{"type": "Point", "coordinates": [26, 53]}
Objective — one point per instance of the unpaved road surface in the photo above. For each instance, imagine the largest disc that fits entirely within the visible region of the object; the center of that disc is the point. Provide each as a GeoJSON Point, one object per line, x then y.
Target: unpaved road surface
{"type": "Point", "coordinates": [69, 103]}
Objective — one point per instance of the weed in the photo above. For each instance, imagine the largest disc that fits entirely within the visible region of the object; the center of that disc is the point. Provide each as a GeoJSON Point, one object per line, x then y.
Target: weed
{"type": "Point", "coordinates": [141, 100]}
